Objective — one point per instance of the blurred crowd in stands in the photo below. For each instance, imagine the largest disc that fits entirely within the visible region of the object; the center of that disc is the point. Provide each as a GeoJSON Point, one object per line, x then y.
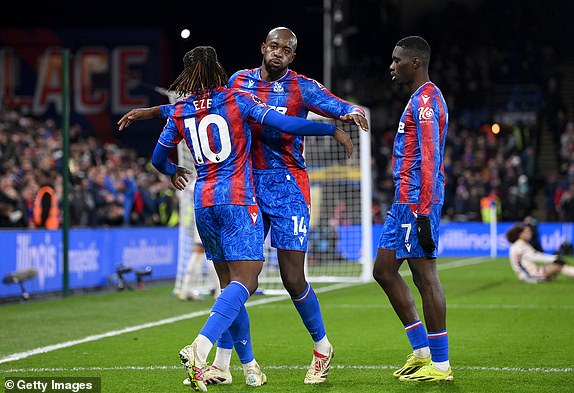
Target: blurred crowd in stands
{"type": "Point", "coordinates": [109, 185]}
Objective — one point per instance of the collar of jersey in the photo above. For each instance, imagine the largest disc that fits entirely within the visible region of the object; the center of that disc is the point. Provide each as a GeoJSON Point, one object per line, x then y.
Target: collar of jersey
{"type": "Point", "coordinates": [258, 73]}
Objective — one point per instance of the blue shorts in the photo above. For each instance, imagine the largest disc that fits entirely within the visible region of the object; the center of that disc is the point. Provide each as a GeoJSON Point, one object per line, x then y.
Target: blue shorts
{"type": "Point", "coordinates": [284, 202]}
{"type": "Point", "coordinates": [231, 232]}
{"type": "Point", "coordinates": [400, 231]}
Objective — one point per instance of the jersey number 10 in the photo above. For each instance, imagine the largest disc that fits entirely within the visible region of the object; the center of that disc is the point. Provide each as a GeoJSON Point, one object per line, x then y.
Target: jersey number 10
{"type": "Point", "coordinates": [200, 142]}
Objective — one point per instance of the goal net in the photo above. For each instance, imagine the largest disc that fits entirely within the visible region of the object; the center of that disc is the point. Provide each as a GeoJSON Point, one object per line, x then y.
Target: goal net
{"type": "Point", "coordinates": [340, 232]}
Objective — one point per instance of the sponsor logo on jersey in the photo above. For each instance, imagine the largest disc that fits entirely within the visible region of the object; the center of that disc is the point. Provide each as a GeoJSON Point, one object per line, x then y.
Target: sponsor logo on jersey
{"type": "Point", "coordinates": [425, 98]}
{"type": "Point", "coordinates": [425, 113]}
{"type": "Point", "coordinates": [250, 83]}
{"type": "Point", "coordinates": [408, 247]}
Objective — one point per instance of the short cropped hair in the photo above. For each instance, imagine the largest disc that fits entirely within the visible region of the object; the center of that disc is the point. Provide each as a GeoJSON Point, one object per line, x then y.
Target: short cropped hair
{"type": "Point", "coordinates": [418, 45]}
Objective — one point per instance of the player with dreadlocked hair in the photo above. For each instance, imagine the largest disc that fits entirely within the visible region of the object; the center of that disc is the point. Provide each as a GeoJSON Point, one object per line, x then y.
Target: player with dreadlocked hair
{"type": "Point", "coordinates": [215, 121]}
{"type": "Point", "coordinates": [202, 71]}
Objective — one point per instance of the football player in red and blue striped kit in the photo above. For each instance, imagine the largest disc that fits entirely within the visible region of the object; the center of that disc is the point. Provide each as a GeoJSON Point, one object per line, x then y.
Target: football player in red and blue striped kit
{"type": "Point", "coordinates": [282, 183]}
{"type": "Point", "coordinates": [214, 120]}
{"type": "Point", "coordinates": [281, 178]}
{"type": "Point", "coordinates": [410, 231]}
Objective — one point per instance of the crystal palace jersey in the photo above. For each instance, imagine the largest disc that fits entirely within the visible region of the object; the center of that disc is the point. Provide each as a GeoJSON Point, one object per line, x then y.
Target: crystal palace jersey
{"type": "Point", "coordinates": [418, 173]}
{"type": "Point", "coordinates": [293, 95]}
{"type": "Point", "coordinates": [216, 129]}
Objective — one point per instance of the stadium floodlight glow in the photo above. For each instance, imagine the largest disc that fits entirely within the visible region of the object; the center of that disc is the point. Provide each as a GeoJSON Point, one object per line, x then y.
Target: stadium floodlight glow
{"type": "Point", "coordinates": [185, 33]}
{"type": "Point", "coordinates": [495, 128]}
{"type": "Point", "coordinates": [19, 277]}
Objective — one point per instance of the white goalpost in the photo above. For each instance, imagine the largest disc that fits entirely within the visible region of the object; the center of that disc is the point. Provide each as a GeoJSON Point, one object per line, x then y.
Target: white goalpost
{"type": "Point", "coordinates": [340, 233]}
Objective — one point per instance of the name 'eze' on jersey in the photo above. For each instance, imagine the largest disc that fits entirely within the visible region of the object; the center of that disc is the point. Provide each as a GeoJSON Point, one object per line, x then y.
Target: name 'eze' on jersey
{"type": "Point", "coordinates": [204, 103]}
{"type": "Point", "coordinates": [293, 95]}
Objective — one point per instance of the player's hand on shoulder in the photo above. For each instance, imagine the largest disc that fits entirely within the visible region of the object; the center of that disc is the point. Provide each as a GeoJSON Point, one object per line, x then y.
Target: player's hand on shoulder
{"type": "Point", "coordinates": [344, 139]}
{"type": "Point", "coordinates": [180, 178]}
{"type": "Point", "coordinates": [356, 118]}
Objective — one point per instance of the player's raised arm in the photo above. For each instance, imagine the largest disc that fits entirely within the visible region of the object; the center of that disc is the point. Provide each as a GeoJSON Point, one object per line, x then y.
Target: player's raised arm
{"type": "Point", "coordinates": [138, 114]}
{"type": "Point", "coordinates": [298, 126]}
{"type": "Point", "coordinates": [320, 100]}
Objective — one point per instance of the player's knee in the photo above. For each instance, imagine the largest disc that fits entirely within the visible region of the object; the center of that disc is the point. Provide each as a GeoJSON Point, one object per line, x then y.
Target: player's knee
{"type": "Point", "coordinates": [381, 275]}
{"type": "Point", "coordinates": [294, 284]}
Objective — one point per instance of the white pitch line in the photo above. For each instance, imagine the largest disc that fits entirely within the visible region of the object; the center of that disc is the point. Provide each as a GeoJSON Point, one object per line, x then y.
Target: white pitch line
{"type": "Point", "coordinates": [49, 348]}
{"type": "Point", "coordinates": [267, 367]}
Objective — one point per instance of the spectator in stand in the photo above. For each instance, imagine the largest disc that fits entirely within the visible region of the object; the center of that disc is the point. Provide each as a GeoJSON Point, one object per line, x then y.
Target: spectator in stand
{"type": "Point", "coordinates": [46, 206]}
{"type": "Point", "coordinates": [13, 212]}
{"type": "Point", "coordinates": [81, 202]}
{"type": "Point", "coordinates": [486, 204]}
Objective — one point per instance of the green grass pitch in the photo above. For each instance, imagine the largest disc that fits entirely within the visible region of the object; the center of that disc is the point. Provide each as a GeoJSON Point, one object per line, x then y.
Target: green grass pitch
{"type": "Point", "coordinates": [505, 336]}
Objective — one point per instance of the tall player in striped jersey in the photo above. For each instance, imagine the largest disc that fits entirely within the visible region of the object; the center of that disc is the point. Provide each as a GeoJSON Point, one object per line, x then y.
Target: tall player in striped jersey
{"type": "Point", "coordinates": [410, 231]}
{"type": "Point", "coordinates": [281, 179]}
{"type": "Point", "coordinates": [214, 122]}
{"type": "Point", "coordinates": [282, 183]}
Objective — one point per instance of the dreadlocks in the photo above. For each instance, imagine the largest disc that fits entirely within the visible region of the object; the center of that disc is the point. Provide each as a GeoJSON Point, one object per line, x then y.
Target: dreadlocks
{"type": "Point", "coordinates": [202, 71]}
